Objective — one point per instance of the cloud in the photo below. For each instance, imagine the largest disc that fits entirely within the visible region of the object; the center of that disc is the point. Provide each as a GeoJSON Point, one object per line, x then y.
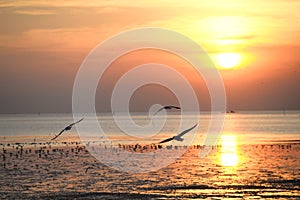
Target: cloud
{"type": "Point", "coordinates": [55, 40]}
{"type": "Point", "coordinates": [84, 3]}
{"type": "Point", "coordinates": [210, 23]}
{"type": "Point", "coordinates": [35, 12]}
{"type": "Point", "coordinates": [239, 37]}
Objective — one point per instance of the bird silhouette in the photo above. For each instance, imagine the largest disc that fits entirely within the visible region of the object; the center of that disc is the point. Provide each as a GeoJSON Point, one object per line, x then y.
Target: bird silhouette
{"type": "Point", "coordinates": [167, 108]}
{"type": "Point", "coordinates": [86, 170]}
{"type": "Point", "coordinates": [66, 129]}
{"type": "Point", "coordinates": [179, 136]}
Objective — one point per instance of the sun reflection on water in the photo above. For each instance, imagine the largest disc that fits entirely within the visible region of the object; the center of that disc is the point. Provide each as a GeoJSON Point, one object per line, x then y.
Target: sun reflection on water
{"type": "Point", "coordinates": [229, 156]}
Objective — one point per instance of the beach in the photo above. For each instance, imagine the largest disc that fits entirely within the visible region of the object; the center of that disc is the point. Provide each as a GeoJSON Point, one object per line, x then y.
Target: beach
{"type": "Point", "coordinates": [64, 171]}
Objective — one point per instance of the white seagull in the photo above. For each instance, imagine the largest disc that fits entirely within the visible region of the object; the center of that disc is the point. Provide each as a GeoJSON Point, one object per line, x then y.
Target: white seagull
{"type": "Point", "coordinates": [66, 129]}
{"type": "Point", "coordinates": [179, 136]}
{"type": "Point", "coordinates": [167, 108]}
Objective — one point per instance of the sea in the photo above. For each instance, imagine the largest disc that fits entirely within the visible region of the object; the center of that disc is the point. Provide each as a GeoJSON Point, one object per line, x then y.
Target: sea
{"type": "Point", "coordinates": [247, 126]}
{"type": "Point", "coordinates": [254, 156]}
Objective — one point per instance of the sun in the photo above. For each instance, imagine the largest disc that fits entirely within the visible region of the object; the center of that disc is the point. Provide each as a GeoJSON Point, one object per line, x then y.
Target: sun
{"type": "Point", "coordinates": [228, 60]}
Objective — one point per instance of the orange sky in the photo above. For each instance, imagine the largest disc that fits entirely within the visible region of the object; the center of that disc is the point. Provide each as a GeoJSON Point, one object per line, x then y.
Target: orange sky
{"type": "Point", "coordinates": [42, 44]}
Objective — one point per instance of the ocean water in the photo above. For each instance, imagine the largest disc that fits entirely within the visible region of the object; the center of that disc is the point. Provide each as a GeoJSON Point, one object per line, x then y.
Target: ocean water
{"type": "Point", "coordinates": [248, 127]}
{"type": "Point", "coordinates": [257, 157]}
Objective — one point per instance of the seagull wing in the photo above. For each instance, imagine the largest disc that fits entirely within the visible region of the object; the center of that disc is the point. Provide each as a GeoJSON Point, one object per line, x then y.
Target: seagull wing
{"type": "Point", "coordinates": [185, 131]}
{"type": "Point", "coordinates": [159, 110]}
{"type": "Point", "coordinates": [167, 107]}
{"type": "Point", "coordinates": [59, 134]}
{"type": "Point", "coordinates": [67, 128]}
{"type": "Point", "coordinates": [166, 140]}
{"type": "Point", "coordinates": [76, 122]}
{"type": "Point", "coordinates": [176, 107]}
{"type": "Point", "coordinates": [79, 121]}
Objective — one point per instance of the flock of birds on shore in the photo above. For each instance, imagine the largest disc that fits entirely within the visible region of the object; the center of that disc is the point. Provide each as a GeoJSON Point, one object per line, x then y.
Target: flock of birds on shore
{"type": "Point", "coordinates": [50, 150]}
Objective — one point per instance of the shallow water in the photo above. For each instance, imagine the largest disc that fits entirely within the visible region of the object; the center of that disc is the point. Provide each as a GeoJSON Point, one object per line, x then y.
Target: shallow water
{"type": "Point", "coordinates": [257, 156]}
{"type": "Point", "coordinates": [70, 171]}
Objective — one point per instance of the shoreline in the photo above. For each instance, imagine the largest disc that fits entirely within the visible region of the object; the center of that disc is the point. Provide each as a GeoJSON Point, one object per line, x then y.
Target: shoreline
{"type": "Point", "coordinates": [70, 171]}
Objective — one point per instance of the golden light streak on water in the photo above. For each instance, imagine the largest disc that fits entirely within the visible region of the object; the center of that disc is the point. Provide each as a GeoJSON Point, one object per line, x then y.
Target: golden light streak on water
{"type": "Point", "coordinates": [229, 156]}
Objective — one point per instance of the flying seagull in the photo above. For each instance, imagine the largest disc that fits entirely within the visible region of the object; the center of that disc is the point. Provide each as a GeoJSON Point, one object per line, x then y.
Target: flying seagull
{"type": "Point", "coordinates": [167, 108]}
{"type": "Point", "coordinates": [66, 129]}
{"type": "Point", "coordinates": [179, 136]}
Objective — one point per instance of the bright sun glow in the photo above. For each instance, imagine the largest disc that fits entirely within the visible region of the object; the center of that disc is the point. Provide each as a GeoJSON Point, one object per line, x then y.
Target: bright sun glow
{"type": "Point", "coordinates": [229, 155]}
{"type": "Point", "coordinates": [228, 60]}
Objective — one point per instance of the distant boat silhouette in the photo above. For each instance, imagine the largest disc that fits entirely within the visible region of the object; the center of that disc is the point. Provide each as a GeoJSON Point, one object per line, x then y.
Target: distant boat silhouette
{"type": "Point", "coordinates": [66, 129]}
{"type": "Point", "coordinates": [167, 108]}
{"type": "Point", "coordinates": [231, 111]}
{"type": "Point", "coordinates": [179, 136]}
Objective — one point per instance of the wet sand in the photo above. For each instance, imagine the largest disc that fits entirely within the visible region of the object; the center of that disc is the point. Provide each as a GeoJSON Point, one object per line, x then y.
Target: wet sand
{"type": "Point", "coordinates": [68, 171]}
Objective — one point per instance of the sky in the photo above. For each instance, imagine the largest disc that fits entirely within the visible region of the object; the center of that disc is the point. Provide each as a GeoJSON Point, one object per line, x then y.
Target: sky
{"type": "Point", "coordinates": [43, 43]}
